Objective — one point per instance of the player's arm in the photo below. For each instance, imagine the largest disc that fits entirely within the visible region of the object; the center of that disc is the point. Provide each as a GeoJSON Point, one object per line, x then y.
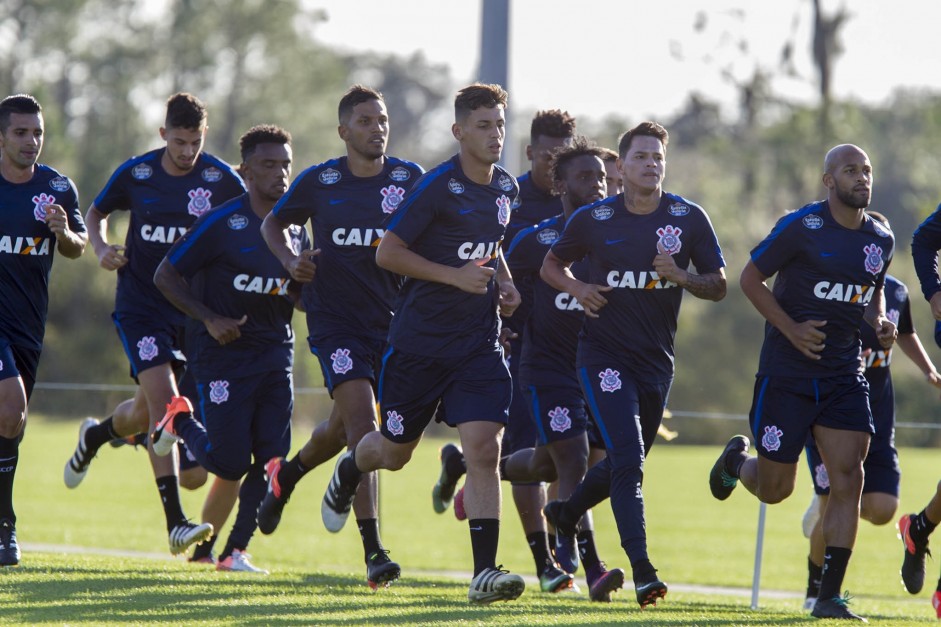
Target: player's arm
{"type": "Point", "coordinates": [394, 255]}
{"type": "Point", "coordinates": [876, 318]}
{"type": "Point", "coordinates": [110, 256]}
{"type": "Point", "coordinates": [301, 266]}
{"type": "Point", "coordinates": [557, 272]}
{"type": "Point", "coordinates": [509, 296]}
{"type": "Point", "coordinates": [176, 290]}
{"type": "Point", "coordinates": [709, 286]}
{"type": "Point", "coordinates": [911, 345]}
{"type": "Point", "coordinates": [69, 243]}
{"type": "Point", "coordinates": [925, 244]}
{"type": "Point", "coordinates": [805, 336]}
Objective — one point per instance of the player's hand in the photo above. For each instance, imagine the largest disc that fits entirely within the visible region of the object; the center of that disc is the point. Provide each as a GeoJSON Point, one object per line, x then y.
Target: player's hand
{"type": "Point", "coordinates": [225, 330]}
{"type": "Point", "coordinates": [934, 379]}
{"type": "Point", "coordinates": [57, 221]}
{"type": "Point", "coordinates": [808, 338]}
{"type": "Point", "coordinates": [665, 266]}
{"type": "Point", "coordinates": [886, 332]}
{"type": "Point", "coordinates": [473, 277]}
{"type": "Point", "coordinates": [935, 303]}
{"type": "Point", "coordinates": [302, 267]}
{"type": "Point", "coordinates": [507, 334]}
{"type": "Point", "coordinates": [509, 298]}
{"type": "Point", "coordinates": [591, 297]}
{"type": "Point", "coordinates": [111, 257]}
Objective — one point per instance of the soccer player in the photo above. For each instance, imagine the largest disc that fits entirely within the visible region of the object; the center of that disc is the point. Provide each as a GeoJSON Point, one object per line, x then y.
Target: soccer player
{"type": "Point", "coordinates": [612, 176]}
{"type": "Point", "coordinates": [165, 190]}
{"type": "Point", "coordinates": [880, 495]}
{"type": "Point", "coordinates": [831, 260]}
{"type": "Point", "coordinates": [40, 216]}
{"type": "Point", "coordinates": [348, 298]}
{"type": "Point", "coordinates": [221, 275]}
{"type": "Point", "coordinates": [638, 245]}
{"type": "Point", "coordinates": [443, 342]}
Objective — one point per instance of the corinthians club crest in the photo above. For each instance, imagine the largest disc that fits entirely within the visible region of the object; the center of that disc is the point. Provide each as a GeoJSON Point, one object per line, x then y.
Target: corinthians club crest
{"type": "Point", "coordinates": [669, 241]}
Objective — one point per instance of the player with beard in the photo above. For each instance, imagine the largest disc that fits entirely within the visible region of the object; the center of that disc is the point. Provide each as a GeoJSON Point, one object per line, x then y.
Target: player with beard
{"type": "Point", "coordinates": [348, 299]}
{"type": "Point", "coordinates": [165, 191]}
{"type": "Point", "coordinates": [40, 216]}
{"type": "Point", "coordinates": [831, 260]}
{"type": "Point", "coordinates": [638, 246]}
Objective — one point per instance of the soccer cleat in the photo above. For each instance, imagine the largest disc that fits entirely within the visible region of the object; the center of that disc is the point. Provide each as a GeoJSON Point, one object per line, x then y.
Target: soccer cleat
{"type": "Point", "coordinates": [566, 544]}
{"type": "Point", "coordinates": [239, 562]}
{"type": "Point", "coordinates": [77, 466]}
{"type": "Point", "coordinates": [269, 512]}
{"type": "Point", "coordinates": [601, 586]}
{"type": "Point", "coordinates": [380, 570]}
{"type": "Point", "coordinates": [187, 533]}
{"type": "Point", "coordinates": [913, 559]}
{"type": "Point", "coordinates": [811, 516]}
{"type": "Point", "coordinates": [9, 549]}
{"type": "Point", "coordinates": [809, 603]}
{"type": "Point", "coordinates": [495, 584]}
{"type": "Point", "coordinates": [337, 500]}
{"type": "Point", "coordinates": [836, 607]}
{"type": "Point", "coordinates": [936, 602]}
{"type": "Point", "coordinates": [648, 593]}
{"type": "Point", "coordinates": [209, 560]}
{"type": "Point", "coordinates": [443, 491]}
{"type": "Point", "coordinates": [720, 481]}
{"type": "Point", "coordinates": [164, 435]}
{"type": "Point", "coordinates": [459, 512]}
{"type": "Point", "coordinates": [554, 579]}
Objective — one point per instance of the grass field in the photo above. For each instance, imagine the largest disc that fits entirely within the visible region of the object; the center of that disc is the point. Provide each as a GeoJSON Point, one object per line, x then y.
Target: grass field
{"type": "Point", "coordinates": [98, 554]}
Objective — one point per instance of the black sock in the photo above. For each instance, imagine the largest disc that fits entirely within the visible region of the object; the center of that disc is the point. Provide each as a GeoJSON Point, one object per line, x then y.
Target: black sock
{"type": "Point", "coordinates": [539, 545]}
{"type": "Point", "coordinates": [348, 470]}
{"type": "Point", "coordinates": [552, 545]}
{"type": "Point", "coordinates": [921, 527]}
{"type": "Point", "coordinates": [733, 465]}
{"type": "Point", "coordinates": [290, 473]}
{"type": "Point", "coordinates": [369, 532]}
{"type": "Point", "coordinates": [169, 488]}
{"type": "Point", "coordinates": [455, 466]}
{"type": "Point", "coordinates": [99, 435]}
{"type": "Point", "coordinates": [204, 549]}
{"type": "Point", "coordinates": [587, 549]}
{"type": "Point", "coordinates": [485, 536]}
{"type": "Point", "coordinates": [814, 573]}
{"type": "Point", "coordinates": [643, 571]}
{"type": "Point", "coordinates": [9, 456]}
{"type": "Point", "coordinates": [835, 561]}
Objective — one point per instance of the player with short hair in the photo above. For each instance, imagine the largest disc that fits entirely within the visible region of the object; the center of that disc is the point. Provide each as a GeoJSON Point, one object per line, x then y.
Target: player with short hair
{"type": "Point", "coordinates": [831, 260]}
{"type": "Point", "coordinates": [40, 216]}
{"type": "Point", "coordinates": [638, 246]}
{"type": "Point", "coordinates": [443, 342]}
{"type": "Point", "coordinates": [349, 300]}
{"type": "Point", "coordinates": [612, 176]}
{"type": "Point", "coordinates": [165, 190]}
{"type": "Point", "coordinates": [220, 275]}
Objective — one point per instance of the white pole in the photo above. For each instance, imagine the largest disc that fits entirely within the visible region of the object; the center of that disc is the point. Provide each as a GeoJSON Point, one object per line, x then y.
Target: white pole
{"type": "Point", "coordinates": [759, 544]}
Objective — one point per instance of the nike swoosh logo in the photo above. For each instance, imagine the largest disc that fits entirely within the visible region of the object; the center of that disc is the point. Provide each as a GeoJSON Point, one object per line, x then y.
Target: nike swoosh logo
{"type": "Point", "coordinates": [613, 241]}
{"type": "Point", "coordinates": [336, 201]}
{"type": "Point", "coordinates": [463, 211]}
{"type": "Point", "coordinates": [476, 528]}
{"type": "Point", "coordinates": [150, 201]}
{"type": "Point", "coordinates": [247, 249]}
{"type": "Point", "coordinates": [827, 254]}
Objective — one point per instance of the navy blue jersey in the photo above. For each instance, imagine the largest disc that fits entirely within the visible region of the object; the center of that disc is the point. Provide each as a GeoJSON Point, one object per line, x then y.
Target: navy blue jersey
{"type": "Point", "coordinates": [637, 326]}
{"type": "Point", "coordinates": [347, 215]}
{"type": "Point", "coordinates": [532, 206]}
{"type": "Point", "coordinates": [524, 257]}
{"type": "Point", "coordinates": [925, 245]}
{"type": "Point", "coordinates": [825, 272]}
{"type": "Point", "coordinates": [451, 220]}
{"type": "Point", "coordinates": [550, 337]}
{"type": "Point", "coordinates": [232, 271]}
{"type": "Point", "coordinates": [27, 247]}
{"type": "Point", "coordinates": [898, 310]}
{"type": "Point", "coordinates": [162, 208]}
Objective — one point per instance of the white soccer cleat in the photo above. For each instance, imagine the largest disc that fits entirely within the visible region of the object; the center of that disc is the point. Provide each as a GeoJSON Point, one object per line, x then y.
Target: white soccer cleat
{"type": "Point", "coordinates": [239, 562]}
{"type": "Point", "coordinates": [186, 534]}
{"type": "Point", "coordinates": [495, 584]}
{"type": "Point", "coordinates": [77, 466]}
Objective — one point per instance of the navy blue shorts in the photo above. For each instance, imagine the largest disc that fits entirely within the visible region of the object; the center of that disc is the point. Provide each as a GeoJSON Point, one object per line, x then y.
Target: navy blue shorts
{"type": "Point", "coordinates": [345, 357]}
{"type": "Point", "coordinates": [17, 361]}
{"type": "Point", "coordinates": [628, 412]}
{"type": "Point", "coordinates": [469, 389]}
{"type": "Point", "coordinates": [246, 416]}
{"type": "Point", "coordinates": [148, 342]}
{"type": "Point", "coordinates": [785, 408]}
{"type": "Point", "coordinates": [520, 431]}
{"type": "Point", "coordinates": [557, 412]}
{"type": "Point", "coordinates": [883, 473]}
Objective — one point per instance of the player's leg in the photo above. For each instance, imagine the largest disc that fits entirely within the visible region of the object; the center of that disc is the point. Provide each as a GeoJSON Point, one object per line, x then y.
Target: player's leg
{"type": "Point", "coordinates": [814, 529]}
{"type": "Point", "coordinates": [15, 388]}
{"type": "Point", "coordinates": [219, 503]}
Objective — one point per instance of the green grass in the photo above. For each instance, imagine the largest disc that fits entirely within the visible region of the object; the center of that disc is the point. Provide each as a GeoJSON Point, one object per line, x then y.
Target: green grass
{"type": "Point", "coordinates": [126, 575]}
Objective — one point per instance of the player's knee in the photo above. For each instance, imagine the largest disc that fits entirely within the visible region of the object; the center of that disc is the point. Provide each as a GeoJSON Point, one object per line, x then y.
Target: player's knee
{"type": "Point", "coordinates": [772, 493]}
{"type": "Point", "coordinates": [193, 478]}
{"type": "Point", "coordinates": [878, 509]}
{"type": "Point", "coordinates": [395, 456]}
{"type": "Point", "coordinates": [12, 421]}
